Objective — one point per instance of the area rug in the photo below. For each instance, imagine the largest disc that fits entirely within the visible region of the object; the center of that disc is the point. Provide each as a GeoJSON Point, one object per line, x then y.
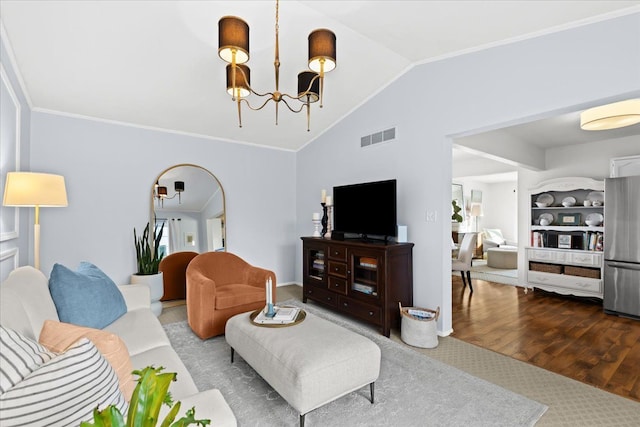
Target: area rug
{"type": "Point", "coordinates": [480, 270]}
{"type": "Point", "coordinates": [412, 390]}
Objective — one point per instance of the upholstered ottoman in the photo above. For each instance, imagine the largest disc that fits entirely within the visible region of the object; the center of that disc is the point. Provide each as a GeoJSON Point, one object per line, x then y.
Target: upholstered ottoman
{"type": "Point", "coordinates": [309, 364]}
{"type": "Point", "coordinates": [505, 258]}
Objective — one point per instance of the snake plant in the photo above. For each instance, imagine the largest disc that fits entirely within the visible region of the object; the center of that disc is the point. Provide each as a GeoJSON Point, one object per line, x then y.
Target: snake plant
{"type": "Point", "coordinates": [148, 256]}
{"type": "Point", "coordinates": [151, 392]}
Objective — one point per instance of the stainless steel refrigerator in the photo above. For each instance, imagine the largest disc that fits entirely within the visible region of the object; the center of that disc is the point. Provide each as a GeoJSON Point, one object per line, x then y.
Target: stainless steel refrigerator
{"type": "Point", "coordinates": [622, 246]}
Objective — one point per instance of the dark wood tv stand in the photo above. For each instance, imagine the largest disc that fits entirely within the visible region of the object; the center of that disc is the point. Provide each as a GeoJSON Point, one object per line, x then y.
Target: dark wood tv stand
{"type": "Point", "coordinates": [365, 280]}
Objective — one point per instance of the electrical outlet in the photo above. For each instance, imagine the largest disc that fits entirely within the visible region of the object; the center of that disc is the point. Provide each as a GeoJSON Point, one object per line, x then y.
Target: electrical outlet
{"type": "Point", "coordinates": [431, 216]}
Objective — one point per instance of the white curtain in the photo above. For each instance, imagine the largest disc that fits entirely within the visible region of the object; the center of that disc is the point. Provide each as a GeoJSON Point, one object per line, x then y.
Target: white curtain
{"type": "Point", "coordinates": [175, 231]}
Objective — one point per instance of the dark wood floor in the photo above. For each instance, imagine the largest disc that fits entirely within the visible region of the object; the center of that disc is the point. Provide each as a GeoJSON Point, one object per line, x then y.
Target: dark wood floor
{"type": "Point", "coordinates": [566, 335]}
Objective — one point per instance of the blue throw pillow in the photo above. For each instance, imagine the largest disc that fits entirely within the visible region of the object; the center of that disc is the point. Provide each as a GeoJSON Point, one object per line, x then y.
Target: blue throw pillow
{"type": "Point", "coordinates": [86, 297]}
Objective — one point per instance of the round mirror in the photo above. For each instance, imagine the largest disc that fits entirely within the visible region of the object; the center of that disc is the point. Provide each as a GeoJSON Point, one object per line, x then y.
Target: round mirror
{"type": "Point", "coordinates": [189, 201]}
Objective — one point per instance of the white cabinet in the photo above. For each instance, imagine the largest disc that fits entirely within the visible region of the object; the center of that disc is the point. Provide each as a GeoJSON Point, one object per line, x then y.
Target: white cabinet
{"type": "Point", "coordinates": [625, 166]}
{"type": "Point", "coordinates": [565, 254]}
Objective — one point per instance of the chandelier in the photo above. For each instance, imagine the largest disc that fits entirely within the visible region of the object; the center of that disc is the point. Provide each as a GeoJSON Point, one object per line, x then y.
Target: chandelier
{"type": "Point", "coordinates": [160, 193]}
{"type": "Point", "coordinates": [233, 48]}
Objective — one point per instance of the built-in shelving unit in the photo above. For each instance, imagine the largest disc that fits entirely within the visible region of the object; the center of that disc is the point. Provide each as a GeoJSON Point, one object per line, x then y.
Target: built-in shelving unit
{"type": "Point", "coordinates": [565, 255]}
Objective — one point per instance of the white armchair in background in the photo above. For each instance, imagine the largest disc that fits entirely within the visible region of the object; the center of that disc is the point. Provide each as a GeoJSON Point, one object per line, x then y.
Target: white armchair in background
{"type": "Point", "coordinates": [493, 238]}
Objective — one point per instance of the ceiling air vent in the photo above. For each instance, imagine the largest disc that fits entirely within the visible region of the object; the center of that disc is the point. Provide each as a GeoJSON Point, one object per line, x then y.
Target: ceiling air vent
{"type": "Point", "coordinates": [386, 135]}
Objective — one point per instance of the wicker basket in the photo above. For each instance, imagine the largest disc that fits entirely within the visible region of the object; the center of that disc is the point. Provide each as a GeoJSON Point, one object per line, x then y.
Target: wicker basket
{"type": "Point", "coordinates": [593, 273]}
{"type": "Point", "coordinates": [417, 331]}
{"type": "Point", "coordinates": [546, 268]}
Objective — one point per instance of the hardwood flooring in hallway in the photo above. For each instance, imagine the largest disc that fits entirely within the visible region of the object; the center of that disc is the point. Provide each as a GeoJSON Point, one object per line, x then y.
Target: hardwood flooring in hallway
{"type": "Point", "coordinates": [565, 335]}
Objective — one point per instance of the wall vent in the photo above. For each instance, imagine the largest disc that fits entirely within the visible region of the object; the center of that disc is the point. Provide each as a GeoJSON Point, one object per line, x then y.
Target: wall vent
{"type": "Point", "coordinates": [386, 135]}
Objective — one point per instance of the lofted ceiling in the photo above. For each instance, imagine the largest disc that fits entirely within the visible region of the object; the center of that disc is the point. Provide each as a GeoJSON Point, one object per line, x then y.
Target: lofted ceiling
{"type": "Point", "coordinates": [155, 63]}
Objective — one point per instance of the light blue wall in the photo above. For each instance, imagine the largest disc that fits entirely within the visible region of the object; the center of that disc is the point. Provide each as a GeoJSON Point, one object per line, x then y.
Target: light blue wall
{"type": "Point", "coordinates": [432, 102]}
{"type": "Point", "coordinates": [271, 194]}
{"type": "Point", "coordinates": [110, 170]}
{"type": "Point", "coordinates": [15, 251]}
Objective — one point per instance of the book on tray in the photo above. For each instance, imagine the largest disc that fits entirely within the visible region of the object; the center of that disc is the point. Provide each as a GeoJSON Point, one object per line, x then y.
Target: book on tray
{"type": "Point", "coordinates": [283, 316]}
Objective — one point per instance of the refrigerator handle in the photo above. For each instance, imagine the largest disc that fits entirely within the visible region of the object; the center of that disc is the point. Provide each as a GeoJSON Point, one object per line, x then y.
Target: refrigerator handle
{"type": "Point", "coordinates": [625, 266]}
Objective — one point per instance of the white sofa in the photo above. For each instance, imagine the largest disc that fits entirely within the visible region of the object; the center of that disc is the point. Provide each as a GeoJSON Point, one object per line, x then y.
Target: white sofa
{"type": "Point", "coordinates": [493, 238]}
{"type": "Point", "coordinates": [25, 303]}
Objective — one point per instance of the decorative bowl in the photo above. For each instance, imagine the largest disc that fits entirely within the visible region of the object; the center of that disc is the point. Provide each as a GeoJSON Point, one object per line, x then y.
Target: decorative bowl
{"type": "Point", "coordinates": [567, 204]}
{"type": "Point", "coordinates": [544, 221]}
{"type": "Point", "coordinates": [542, 205]}
{"type": "Point", "coordinates": [592, 223]}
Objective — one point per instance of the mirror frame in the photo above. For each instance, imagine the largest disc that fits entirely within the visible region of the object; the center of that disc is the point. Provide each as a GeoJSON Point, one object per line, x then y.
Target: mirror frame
{"type": "Point", "coordinates": [152, 213]}
{"type": "Point", "coordinates": [462, 204]}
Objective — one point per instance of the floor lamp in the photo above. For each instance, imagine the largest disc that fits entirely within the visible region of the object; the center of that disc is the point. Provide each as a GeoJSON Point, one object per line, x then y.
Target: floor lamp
{"type": "Point", "coordinates": [38, 190]}
{"type": "Point", "coordinates": [476, 211]}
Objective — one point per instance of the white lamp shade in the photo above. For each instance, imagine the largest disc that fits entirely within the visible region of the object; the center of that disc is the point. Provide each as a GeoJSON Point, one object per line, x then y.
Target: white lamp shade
{"type": "Point", "coordinates": [476, 209]}
{"type": "Point", "coordinates": [611, 116]}
{"type": "Point", "coordinates": [34, 189]}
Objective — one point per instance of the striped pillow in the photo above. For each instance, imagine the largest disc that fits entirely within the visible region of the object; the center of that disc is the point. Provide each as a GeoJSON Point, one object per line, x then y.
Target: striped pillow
{"type": "Point", "coordinates": [58, 336]}
{"type": "Point", "coordinates": [63, 391]}
{"type": "Point", "coordinates": [19, 356]}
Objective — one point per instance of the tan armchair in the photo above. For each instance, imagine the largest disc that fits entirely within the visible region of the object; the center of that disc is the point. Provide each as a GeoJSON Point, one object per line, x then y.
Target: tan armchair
{"type": "Point", "coordinates": [221, 285]}
{"type": "Point", "coordinates": [174, 274]}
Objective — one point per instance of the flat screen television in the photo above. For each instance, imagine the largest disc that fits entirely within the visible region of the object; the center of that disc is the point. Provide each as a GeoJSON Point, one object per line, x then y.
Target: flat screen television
{"type": "Point", "coordinates": [367, 209]}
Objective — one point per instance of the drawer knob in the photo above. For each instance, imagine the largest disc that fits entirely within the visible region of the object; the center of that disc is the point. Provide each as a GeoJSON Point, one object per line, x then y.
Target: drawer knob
{"type": "Point", "coordinates": [345, 304]}
{"type": "Point", "coordinates": [371, 313]}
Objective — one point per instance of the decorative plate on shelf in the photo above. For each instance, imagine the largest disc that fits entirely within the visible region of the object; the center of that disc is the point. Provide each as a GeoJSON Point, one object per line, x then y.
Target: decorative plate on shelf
{"type": "Point", "coordinates": [547, 217]}
{"type": "Point", "coordinates": [568, 201]}
{"type": "Point", "coordinates": [545, 198]}
{"type": "Point", "coordinates": [594, 219]}
{"type": "Point", "coordinates": [596, 196]}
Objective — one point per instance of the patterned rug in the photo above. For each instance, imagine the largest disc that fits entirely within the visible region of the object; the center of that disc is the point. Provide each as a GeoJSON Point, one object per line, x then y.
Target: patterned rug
{"type": "Point", "coordinates": [413, 389]}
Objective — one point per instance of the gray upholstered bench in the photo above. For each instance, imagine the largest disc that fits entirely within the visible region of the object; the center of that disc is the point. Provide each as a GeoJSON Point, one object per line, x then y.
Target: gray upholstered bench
{"type": "Point", "coordinates": [308, 364]}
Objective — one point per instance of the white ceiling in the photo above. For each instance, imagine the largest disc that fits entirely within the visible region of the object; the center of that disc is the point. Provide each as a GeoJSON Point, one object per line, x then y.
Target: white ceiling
{"type": "Point", "coordinates": [155, 63]}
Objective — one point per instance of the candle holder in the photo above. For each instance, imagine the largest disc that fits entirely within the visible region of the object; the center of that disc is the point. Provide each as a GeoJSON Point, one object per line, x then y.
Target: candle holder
{"type": "Point", "coordinates": [316, 225]}
{"type": "Point", "coordinates": [269, 311]}
{"type": "Point", "coordinates": [325, 218]}
{"type": "Point", "coordinates": [327, 235]}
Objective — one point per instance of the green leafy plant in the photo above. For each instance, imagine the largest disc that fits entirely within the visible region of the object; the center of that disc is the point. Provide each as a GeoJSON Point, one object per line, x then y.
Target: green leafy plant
{"type": "Point", "coordinates": [151, 392]}
{"type": "Point", "coordinates": [456, 212]}
{"type": "Point", "coordinates": [148, 250]}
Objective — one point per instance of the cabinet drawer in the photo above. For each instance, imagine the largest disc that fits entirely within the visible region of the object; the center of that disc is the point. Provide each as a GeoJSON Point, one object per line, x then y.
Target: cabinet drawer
{"type": "Point", "coordinates": [338, 269]}
{"type": "Point", "coordinates": [338, 285]}
{"type": "Point", "coordinates": [367, 312]}
{"type": "Point", "coordinates": [321, 295]}
{"type": "Point", "coordinates": [338, 252]}
{"type": "Point", "coordinates": [593, 260]}
{"type": "Point", "coordinates": [536, 255]}
{"type": "Point", "coordinates": [565, 281]}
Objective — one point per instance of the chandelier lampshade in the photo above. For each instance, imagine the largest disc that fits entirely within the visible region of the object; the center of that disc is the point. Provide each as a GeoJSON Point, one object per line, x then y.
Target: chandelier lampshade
{"type": "Point", "coordinates": [309, 86]}
{"type": "Point", "coordinates": [233, 48]}
{"type": "Point", "coordinates": [322, 50]}
{"type": "Point", "coordinates": [242, 83]}
{"type": "Point", "coordinates": [161, 192]}
{"type": "Point", "coordinates": [611, 116]}
{"type": "Point", "coordinates": [233, 37]}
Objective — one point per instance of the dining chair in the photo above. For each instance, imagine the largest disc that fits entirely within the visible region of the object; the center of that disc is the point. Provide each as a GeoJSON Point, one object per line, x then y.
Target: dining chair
{"type": "Point", "coordinates": [465, 255]}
